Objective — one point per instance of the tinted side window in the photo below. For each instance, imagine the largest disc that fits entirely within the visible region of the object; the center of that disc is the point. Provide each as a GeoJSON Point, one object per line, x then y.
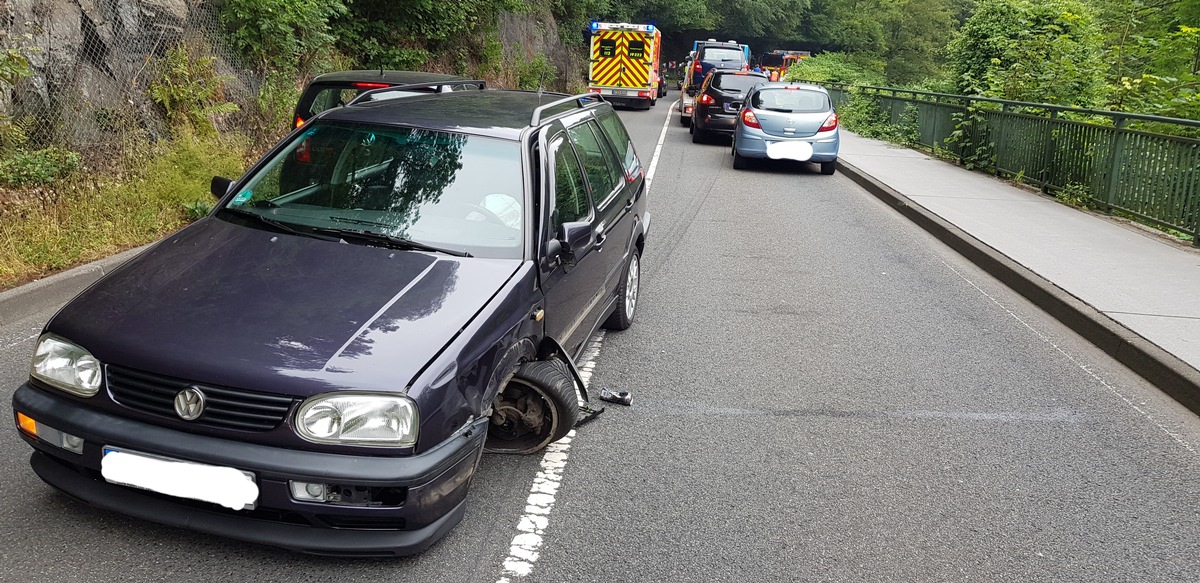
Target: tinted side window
{"type": "Point", "coordinates": [612, 126]}
{"type": "Point", "coordinates": [570, 191]}
{"type": "Point", "coordinates": [602, 174]}
{"type": "Point", "coordinates": [331, 97]}
{"type": "Point", "coordinates": [737, 82]}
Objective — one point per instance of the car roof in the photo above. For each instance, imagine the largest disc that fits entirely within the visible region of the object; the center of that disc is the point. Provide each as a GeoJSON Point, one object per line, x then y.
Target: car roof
{"type": "Point", "coordinates": [720, 45]}
{"type": "Point", "coordinates": [779, 84]}
{"type": "Point", "coordinates": [384, 76]}
{"type": "Point", "coordinates": [496, 113]}
{"type": "Point", "coordinates": [740, 72]}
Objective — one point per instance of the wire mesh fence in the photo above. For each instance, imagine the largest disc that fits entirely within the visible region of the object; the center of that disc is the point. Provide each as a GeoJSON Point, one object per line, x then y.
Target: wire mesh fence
{"type": "Point", "coordinates": [92, 62]}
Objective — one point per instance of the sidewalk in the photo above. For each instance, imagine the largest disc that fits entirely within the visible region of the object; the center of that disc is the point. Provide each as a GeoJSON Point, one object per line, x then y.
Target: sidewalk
{"type": "Point", "coordinates": [1119, 272]}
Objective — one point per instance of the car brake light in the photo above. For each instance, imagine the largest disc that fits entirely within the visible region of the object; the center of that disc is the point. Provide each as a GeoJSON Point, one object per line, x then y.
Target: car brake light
{"type": "Point", "coordinates": [304, 152]}
{"type": "Point", "coordinates": [299, 121]}
{"type": "Point", "coordinates": [645, 94]}
{"type": "Point", "coordinates": [750, 120]}
{"type": "Point", "coordinates": [707, 99]}
{"type": "Point", "coordinates": [746, 67]}
{"type": "Point", "coordinates": [362, 85]}
{"type": "Point", "coordinates": [830, 123]}
{"type": "Point", "coordinates": [698, 66]}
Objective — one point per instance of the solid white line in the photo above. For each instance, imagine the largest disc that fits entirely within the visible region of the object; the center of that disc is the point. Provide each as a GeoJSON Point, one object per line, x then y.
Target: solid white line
{"type": "Point", "coordinates": [525, 546]}
{"type": "Point", "coordinates": [662, 137]}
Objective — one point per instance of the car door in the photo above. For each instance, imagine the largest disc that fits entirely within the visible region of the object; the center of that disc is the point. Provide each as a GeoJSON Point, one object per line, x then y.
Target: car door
{"type": "Point", "coordinates": [572, 283]}
{"type": "Point", "coordinates": [612, 195]}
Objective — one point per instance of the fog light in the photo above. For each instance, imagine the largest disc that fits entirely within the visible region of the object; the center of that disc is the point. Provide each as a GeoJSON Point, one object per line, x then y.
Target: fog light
{"type": "Point", "coordinates": [309, 491]}
{"type": "Point", "coordinates": [50, 435]}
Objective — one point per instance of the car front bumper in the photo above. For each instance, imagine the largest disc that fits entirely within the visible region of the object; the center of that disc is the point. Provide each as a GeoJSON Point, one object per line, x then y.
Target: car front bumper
{"type": "Point", "coordinates": [752, 143]}
{"type": "Point", "coordinates": [435, 482]}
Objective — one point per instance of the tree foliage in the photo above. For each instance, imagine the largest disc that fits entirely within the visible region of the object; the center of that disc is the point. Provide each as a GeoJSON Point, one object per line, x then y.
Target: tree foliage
{"type": "Point", "coordinates": [1047, 51]}
{"type": "Point", "coordinates": [287, 35]}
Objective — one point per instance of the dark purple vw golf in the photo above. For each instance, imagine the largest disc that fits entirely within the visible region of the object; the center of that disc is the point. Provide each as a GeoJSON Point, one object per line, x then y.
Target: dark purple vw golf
{"type": "Point", "coordinates": [319, 364]}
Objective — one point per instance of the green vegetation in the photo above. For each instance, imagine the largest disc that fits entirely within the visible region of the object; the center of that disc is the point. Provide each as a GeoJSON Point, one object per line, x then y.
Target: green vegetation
{"type": "Point", "coordinates": [59, 207]}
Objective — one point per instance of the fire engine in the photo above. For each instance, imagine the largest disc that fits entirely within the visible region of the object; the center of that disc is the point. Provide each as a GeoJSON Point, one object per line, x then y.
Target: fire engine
{"type": "Point", "coordinates": [625, 65]}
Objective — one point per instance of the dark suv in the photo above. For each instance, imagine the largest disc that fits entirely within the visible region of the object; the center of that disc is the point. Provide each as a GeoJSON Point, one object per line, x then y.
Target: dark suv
{"type": "Point", "coordinates": [320, 366]}
{"type": "Point", "coordinates": [711, 54]}
{"type": "Point", "coordinates": [719, 101]}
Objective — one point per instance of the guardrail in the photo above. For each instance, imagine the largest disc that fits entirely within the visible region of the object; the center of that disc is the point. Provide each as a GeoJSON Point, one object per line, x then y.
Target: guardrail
{"type": "Point", "coordinates": [1123, 161]}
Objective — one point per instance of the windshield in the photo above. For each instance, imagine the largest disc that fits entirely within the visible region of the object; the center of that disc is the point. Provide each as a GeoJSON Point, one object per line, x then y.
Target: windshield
{"type": "Point", "coordinates": [452, 191]}
{"type": "Point", "coordinates": [790, 100]}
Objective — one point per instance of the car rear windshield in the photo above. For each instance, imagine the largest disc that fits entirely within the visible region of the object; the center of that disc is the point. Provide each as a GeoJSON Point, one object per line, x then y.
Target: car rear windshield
{"type": "Point", "coordinates": [791, 100]}
{"type": "Point", "coordinates": [722, 54]}
{"type": "Point", "coordinates": [772, 60]}
{"type": "Point", "coordinates": [453, 191]}
{"type": "Point", "coordinates": [737, 82]}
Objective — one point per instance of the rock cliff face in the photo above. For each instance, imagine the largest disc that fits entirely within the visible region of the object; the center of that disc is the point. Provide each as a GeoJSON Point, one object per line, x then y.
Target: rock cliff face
{"type": "Point", "coordinates": [90, 60]}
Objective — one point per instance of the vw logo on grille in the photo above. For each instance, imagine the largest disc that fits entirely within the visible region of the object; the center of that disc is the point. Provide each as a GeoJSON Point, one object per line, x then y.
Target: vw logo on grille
{"type": "Point", "coordinates": [189, 403]}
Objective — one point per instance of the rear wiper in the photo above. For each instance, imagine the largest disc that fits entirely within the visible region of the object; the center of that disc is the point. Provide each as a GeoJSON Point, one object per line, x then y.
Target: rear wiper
{"type": "Point", "coordinates": [387, 240]}
{"type": "Point", "coordinates": [777, 109]}
{"type": "Point", "coordinates": [277, 225]}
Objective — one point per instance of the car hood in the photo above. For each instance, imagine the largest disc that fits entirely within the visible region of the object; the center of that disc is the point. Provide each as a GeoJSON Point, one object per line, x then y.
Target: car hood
{"type": "Point", "coordinates": [231, 305]}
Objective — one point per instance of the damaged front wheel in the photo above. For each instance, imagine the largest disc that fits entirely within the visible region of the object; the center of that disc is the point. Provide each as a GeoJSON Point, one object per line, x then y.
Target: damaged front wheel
{"type": "Point", "coordinates": [536, 407]}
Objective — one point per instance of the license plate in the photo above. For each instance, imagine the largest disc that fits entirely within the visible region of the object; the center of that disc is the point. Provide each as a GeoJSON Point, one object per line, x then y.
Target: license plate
{"type": "Point", "coordinates": [620, 92]}
{"type": "Point", "coordinates": [229, 487]}
{"type": "Point", "coordinates": [801, 151]}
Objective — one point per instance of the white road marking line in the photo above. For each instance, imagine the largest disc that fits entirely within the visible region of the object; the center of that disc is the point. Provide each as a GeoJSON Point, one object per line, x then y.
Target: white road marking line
{"type": "Point", "coordinates": [662, 137]}
{"type": "Point", "coordinates": [525, 546]}
{"type": "Point", "coordinates": [1145, 414]}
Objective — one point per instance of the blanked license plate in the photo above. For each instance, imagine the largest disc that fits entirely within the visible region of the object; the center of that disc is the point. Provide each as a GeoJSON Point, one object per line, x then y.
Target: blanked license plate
{"type": "Point", "coordinates": [229, 487]}
{"type": "Point", "coordinates": [801, 151]}
{"type": "Point", "coordinates": [620, 92]}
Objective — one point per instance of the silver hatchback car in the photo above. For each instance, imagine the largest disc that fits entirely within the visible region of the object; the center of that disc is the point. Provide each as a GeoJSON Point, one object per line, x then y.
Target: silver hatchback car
{"type": "Point", "coordinates": [787, 121]}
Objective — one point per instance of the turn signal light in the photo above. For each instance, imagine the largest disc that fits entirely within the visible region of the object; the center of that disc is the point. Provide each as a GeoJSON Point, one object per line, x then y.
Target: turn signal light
{"type": "Point", "coordinates": [27, 424]}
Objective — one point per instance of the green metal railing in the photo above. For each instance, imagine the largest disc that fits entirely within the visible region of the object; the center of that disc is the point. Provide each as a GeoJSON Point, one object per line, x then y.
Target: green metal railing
{"type": "Point", "coordinates": [1123, 161]}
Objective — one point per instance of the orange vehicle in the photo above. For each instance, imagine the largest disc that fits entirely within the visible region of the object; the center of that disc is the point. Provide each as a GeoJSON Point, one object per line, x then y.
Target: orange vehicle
{"type": "Point", "coordinates": [775, 63]}
{"type": "Point", "coordinates": [625, 66]}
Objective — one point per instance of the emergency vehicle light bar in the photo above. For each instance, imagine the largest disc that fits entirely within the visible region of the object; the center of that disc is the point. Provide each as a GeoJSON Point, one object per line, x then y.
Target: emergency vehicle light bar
{"type": "Point", "coordinates": [622, 26]}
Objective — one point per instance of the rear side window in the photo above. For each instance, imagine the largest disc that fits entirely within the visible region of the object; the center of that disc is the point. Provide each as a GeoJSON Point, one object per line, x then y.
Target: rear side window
{"type": "Point", "coordinates": [331, 97]}
{"type": "Point", "coordinates": [791, 100]}
{"type": "Point", "coordinates": [615, 130]}
{"type": "Point", "coordinates": [602, 174]}
{"type": "Point", "coordinates": [737, 82]}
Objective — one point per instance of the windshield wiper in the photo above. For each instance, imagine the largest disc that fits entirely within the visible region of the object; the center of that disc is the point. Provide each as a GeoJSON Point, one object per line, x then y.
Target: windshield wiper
{"type": "Point", "coordinates": [277, 225]}
{"type": "Point", "coordinates": [387, 240]}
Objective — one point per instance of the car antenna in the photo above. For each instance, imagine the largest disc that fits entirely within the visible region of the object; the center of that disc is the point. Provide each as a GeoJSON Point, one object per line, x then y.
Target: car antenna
{"type": "Point", "coordinates": [541, 80]}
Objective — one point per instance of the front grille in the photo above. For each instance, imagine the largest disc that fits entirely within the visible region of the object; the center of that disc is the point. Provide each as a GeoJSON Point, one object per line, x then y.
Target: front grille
{"type": "Point", "coordinates": [224, 407]}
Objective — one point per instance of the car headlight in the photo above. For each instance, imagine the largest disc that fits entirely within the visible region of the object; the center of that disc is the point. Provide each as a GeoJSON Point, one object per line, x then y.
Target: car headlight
{"type": "Point", "coordinates": [66, 366]}
{"type": "Point", "coordinates": [371, 419]}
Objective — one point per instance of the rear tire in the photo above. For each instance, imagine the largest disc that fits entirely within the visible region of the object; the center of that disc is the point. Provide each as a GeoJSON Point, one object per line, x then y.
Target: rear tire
{"type": "Point", "coordinates": [828, 168]}
{"type": "Point", "coordinates": [740, 162]}
{"type": "Point", "coordinates": [627, 295]}
{"type": "Point", "coordinates": [536, 407]}
{"type": "Point", "coordinates": [698, 135]}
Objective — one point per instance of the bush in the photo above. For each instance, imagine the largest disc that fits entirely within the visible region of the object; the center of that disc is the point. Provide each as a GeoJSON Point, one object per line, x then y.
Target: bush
{"type": "Point", "coordinates": [536, 73]}
{"type": "Point", "coordinates": [189, 90]}
{"type": "Point", "coordinates": [836, 68]}
{"type": "Point", "coordinates": [39, 167]}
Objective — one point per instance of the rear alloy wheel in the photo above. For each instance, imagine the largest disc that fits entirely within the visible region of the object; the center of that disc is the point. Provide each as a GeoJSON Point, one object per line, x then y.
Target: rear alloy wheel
{"type": "Point", "coordinates": [627, 295]}
{"type": "Point", "coordinates": [828, 168]}
{"type": "Point", "coordinates": [537, 406]}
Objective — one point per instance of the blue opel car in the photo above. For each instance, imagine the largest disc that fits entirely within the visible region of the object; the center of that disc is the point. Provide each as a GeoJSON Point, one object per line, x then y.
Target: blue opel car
{"type": "Point", "coordinates": [787, 121]}
{"type": "Point", "coordinates": [319, 364]}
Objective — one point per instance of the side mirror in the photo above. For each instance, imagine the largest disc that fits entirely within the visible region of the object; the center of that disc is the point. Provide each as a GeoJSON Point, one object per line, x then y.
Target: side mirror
{"type": "Point", "coordinates": [220, 186]}
{"type": "Point", "coordinates": [573, 239]}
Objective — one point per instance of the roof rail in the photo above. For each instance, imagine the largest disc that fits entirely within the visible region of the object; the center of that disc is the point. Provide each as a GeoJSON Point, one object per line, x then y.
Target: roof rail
{"type": "Point", "coordinates": [367, 95]}
{"type": "Point", "coordinates": [581, 100]}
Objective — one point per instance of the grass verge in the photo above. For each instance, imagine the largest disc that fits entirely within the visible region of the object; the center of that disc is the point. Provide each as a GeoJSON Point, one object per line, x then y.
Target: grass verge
{"type": "Point", "coordinates": [90, 215]}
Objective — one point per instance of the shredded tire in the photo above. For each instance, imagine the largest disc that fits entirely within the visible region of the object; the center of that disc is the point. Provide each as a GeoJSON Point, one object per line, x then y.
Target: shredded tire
{"type": "Point", "coordinates": [537, 406]}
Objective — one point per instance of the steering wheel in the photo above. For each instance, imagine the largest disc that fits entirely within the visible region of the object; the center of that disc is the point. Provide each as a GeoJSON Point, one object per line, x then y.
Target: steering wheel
{"type": "Point", "coordinates": [488, 216]}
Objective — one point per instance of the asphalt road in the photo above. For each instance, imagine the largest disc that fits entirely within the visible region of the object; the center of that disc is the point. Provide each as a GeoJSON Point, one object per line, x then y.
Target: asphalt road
{"type": "Point", "coordinates": [822, 392]}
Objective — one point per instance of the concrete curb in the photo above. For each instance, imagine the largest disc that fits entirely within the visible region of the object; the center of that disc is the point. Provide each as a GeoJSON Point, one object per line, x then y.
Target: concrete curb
{"type": "Point", "coordinates": [56, 290]}
{"type": "Point", "coordinates": [1161, 368]}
